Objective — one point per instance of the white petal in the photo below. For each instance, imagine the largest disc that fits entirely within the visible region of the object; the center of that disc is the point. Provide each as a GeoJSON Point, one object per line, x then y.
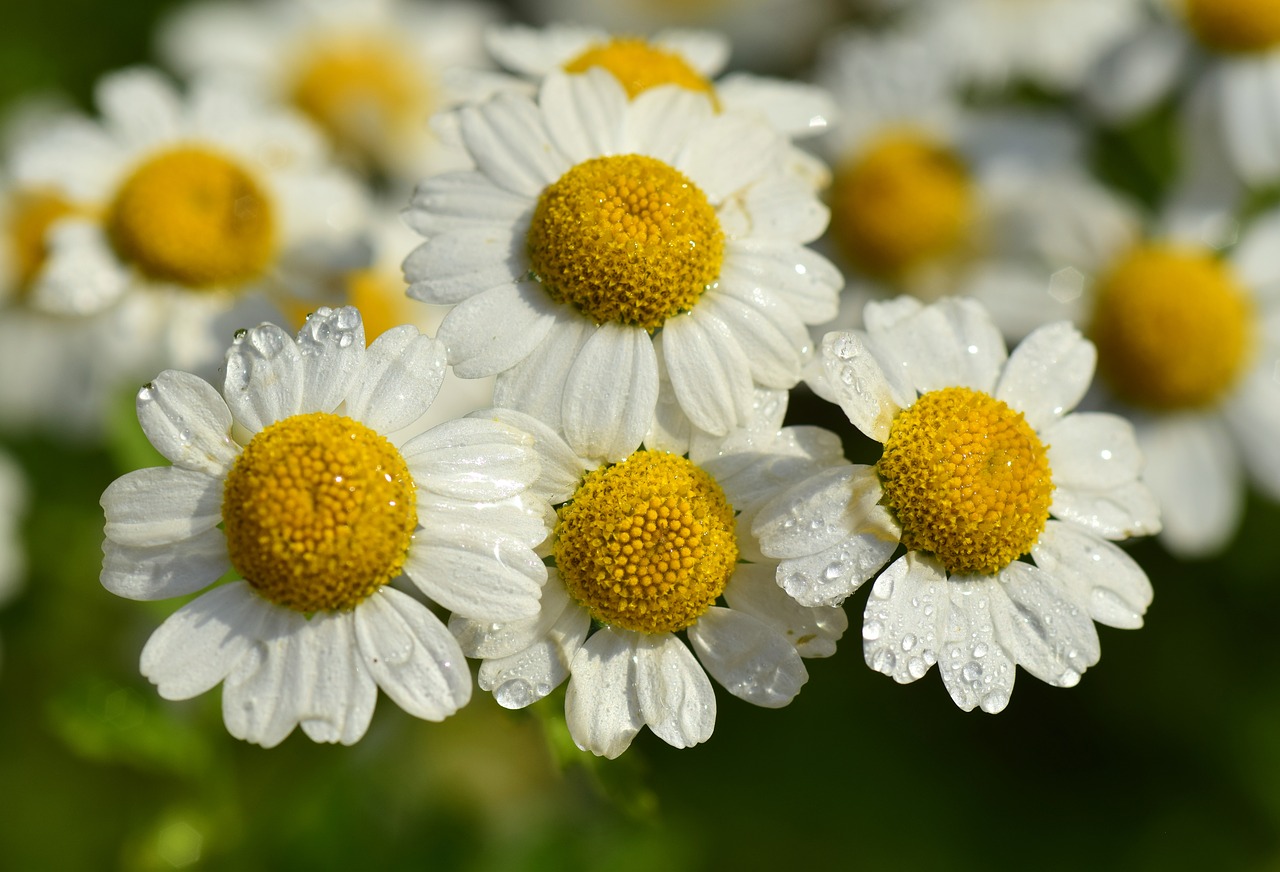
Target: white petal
{"type": "Point", "coordinates": [339, 693]}
{"type": "Point", "coordinates": [727, 153]}
{"type": "Point", "coordinates": [1047, 374]}
{"type": "Point", "coordinates": [1117, 513]}
{"type": "Point", "coordinates": [1047, 633]}
{"type": "Point", "coordinates": [749, 658]}
{"type": "Point", "coordinates": [186, 420]}
{"type": "Point", "coordinates": [588, 112]}
{"type": "Point", "coordinates": [799, 276]}
{"type": "Point", "coordinates": [869, 395]}
{"type": "Point", "coordinates": [904, 618]}
{"type": "Point", "coordinates": [509, 144]}
{"type": "Point", "coordinates": [675, 696]}
{"type": "Point", "coordinates": [1093, 451]}
{"type": "Point", "coordinates": [601, 708]}
{"type": "Point", "coordinates": [161, 571]}
{"type": "Point", "coordinates": [529, 675]}
{"type": "Point", "coordinates": [821, 511]}
{"type": "Point", "coordinates": [331, 345]}
{"type": "Point", "coordinates": [494, 640]}
{"type": "Point", "coordinates": [776, 352]}
{"type": "Point", "coordinates": [951, 343]}
{"type": "Point", "coordinates": [472, 459]}
{"type": "Point", "coordinates": [265, 691]}
{"type": "Point", "coordinates": [1254, 417]}
{"type": "Point", "coordinates": [795, 108]}
{"type": "Point", "coordinates": [975, 669]}
{"type": "Point", "coordinates": [453, 266]}
{"type": "Point", "coordinates": [814, 631]}
{"type": "Point", "coordinates": [402, 373]}
{"type": "Point", "coordinates": [160, 505]}
{"type": "Point", "coordinates": [561, 470]}
{"type": "Point", "coordinates": [411, 655]}
{"type": "Point", "coordinates": [81, 274]}
{"type": "Point", "coordinates": [709, 371]}
{"type": "Point", "coordinates": [199, 644]}
{"type": "Point", "coordinates": [536, 51]}
{"type": "Point", "coordinates": [140, 105]}
{"type": "Point", "coordinates": [264, 381]}
{"type": "Point", "coordinates": [611, 392]}
{"type": "Point", "coordinates": [660, 121]}
{"type": "Point", "coordinates": [497, 328]}
{"type": "Point", "coordinates": [1194, 472]}
{"type": "Point", "coordinates": [536, 386]}
{"type": "Point", "coordinates": [784, 207]}
{"type": "Point", "coordinates": [1247, 90]}
{"type": "Point", "coordinates": [460, 200]}
{"type": "Point", "coordinates": [1110, 582]}
{"type": "Point", "coordinates": [479, 573]}
{"type": "Point", "coordinates": [707, 51]}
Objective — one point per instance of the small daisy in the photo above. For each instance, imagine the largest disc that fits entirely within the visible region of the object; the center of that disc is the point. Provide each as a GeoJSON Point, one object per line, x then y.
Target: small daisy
{"type": "Point", "coordinates": [369, 72]}
{"type": "Point", "coordinates": [983, 464]}
{"type": "Point", "coordinates": [288, 480]}
{"type": "Point", "coordinates": [13, 502]}
{"type": "Point", "coordinates": [198, 204]}
{"type": "Point", "coordinates": [933, 198]}
{"type": "Point", "coordinates": [605, 246]}
{"type": "Point", "coordinates": [644, 549]}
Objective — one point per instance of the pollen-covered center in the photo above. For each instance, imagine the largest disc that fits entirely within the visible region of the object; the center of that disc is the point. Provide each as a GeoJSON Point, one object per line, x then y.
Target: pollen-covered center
{"type": "Point", "coordinates": [194, 217]}
{"type": "Point", "coordinates": [647, 544]}
{"type": "Point", "coordinates": [640, 65]}
{"type": "Point", "coordinates": [1174, 328]}
{"type": "Point", "coordinates": [359, 89]}
{"type": "Point", "coordinates": [1235, 25]}
{"type": "Point", "coordinates": [899, 203]}
{"type": "Point", "coordinates": [626, 238]}
{"type": "Point", "coordinates": [318, 511]}
{"type": "Point", "coordinates": [31, 214]}
{"type": "Point", "coordinates": [967, 478]}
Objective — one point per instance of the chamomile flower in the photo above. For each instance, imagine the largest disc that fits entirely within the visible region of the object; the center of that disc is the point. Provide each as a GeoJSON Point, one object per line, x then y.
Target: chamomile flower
{"type": "Point", "coordinates": [983, 464]}
{"type": "Point", "coordinates": [645, 548]}
{"type": "Point", "coordinates": [368, 72]}
{"type": "Point", "coordinates": [289, 479]}
{"type": "Point", "coordinates": [931, 197]}
{"type": "Point", "coordinates": [198, 204]}
{"type": "Point", "coordinates": [605, 246]}
{"type": "Point", "coordinates": [13, 503]}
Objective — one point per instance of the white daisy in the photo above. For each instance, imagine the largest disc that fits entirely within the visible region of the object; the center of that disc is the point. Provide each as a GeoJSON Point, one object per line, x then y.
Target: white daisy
{"type": "Point", "coordinates": [290, 482]}
{"type": "Point", "coordinates": [933, 198]}
{"type": "Point", "coordinates": [604, 246]}
{"type": "Point", "coordinates": [369, 72]}
{"type": "Point", "coordinates": [644, 549]}
{"type": "Point", "coordinates": [199, 204]}
{"type": "Point", "coordinates": [13, 504]}
{"type": "Point", "coordinates": [982, 465]}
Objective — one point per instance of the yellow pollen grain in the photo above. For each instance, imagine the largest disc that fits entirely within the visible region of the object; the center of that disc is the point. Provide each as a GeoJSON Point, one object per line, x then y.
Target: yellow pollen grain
{"type": "Point", "coordinates": [194, 217]}
{"type": "Point", "coordinates": [318, 512]}
{"type": "Point", "coordinates": [31, 214]}
{"type": "Point", "coordinates": [626, 238]}
{"type": "Point", "coordinates": [1173, 327]}
{"type": "Point", "coordinates": [900, 203]}
{"type": "Point", "coordinates": [1235, 26]}
{"type": "Point", "coordinates": [967, 478]}
{"type": "Point", "coordinates": [639, 65]}
{"type": "Point", "coordinates": [647, 544]}
{"type": "Point", "coordinates": [361, 89]}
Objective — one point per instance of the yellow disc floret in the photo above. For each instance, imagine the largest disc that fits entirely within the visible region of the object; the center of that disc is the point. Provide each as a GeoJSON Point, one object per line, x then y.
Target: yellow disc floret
{"type": "Point", "coordinates": [1235, 25]}
{"type": "Point", "coordinates": [193, 217]}
{"type": "Point", "coordinates": [318, 512]}
{"type": "Point", "coordinates": [640, 65]}
{"type": "Point", "coordinates": [31, 214]}
{"type": "Point", "coordinates": [647, 544]}
{"type": "Point", "coordinates": [967, 478]}
{"type": "Point", "coordinates": [626, 238]}
{"type": "Point", "coordinates": [899, 203]}
{"type": "Point", "coordinates": [1174, 328]}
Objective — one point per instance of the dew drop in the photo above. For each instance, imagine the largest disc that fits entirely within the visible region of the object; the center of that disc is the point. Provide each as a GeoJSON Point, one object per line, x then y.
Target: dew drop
{"type": "Point", "coordinates": [872, 630]}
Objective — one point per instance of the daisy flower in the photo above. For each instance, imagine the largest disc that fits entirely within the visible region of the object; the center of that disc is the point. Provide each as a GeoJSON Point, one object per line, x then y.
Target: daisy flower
{"type": "Point", "coordinates": [983, 464]}
{"type": "Point", "coordinates": [369, 72]}
{"type": "Point", "coordinates": [643, 550]}
{"type": "Point", "coordinates": [604, 246]}
{"type": "Point", "coordinates": [932, 198]}
{"type": "Point", "coordinates": [289, 480]}
{"type": "Point", "coordinates": [13, 503]}
{"type": "Point", "coordinates": [197, 204]}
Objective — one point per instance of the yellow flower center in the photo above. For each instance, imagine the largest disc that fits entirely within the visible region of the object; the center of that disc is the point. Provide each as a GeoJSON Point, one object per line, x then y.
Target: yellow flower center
{"type": "Point", "coordinates": [1235, 25]}
{"type": "Point", "coordinates": [318, 511]}
{"type": "Point", "coordinates": [31, 215]}
{"type": "Point", "coordinates": [967, 478]}
{"type": "Point", "coordinates": [900, 203]}
{"type": "Point", "coordinates": [1174, 328]}
{"type": "Point", "coordinates": [639, 65]}
{"type": "Point", "coordinates": [647, 544]}
{"type": "Point", "coordinates": [626, 238]}
{"type": "Point", "coordinates": [360, 89]}
{"type": "Point", "coordinates": [193, 217]}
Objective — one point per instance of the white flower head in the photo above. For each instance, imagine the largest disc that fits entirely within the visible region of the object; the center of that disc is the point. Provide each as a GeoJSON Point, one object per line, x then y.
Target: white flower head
{"type": "Point", "coordinates": [288, 479]}
{"type": "Point", "coordinates": [646, 548]}
{"type": "Point", "coordinates": [609, 252]}
{"type": "Point", "coordinates": [983, 464]}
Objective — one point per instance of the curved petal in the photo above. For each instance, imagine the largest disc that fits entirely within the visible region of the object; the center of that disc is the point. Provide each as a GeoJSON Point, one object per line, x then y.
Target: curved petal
{"type": "Point", "coordinates": [975, 668]}
{"type": "Point", "coordinates": [823, 510]}
{"type": "Point", "coordinates": [153, 572]}
{"type": "Point", "coordinates": [494, 640]}
{"type": "Point", "coordinates": [472, 459]}
{"type": "Point", "coordinates": [749, 658]}
{"type": "Point", "coordinates": [509, 144]}
{"type": "Point", "coordinates": [496, 329]}
{"type": "Point", "coordinates": [478, 573]}
{"type": "Point", "coordinates": [813, 631]}
{"type": "Point", "coordinates": [601, 707]}
{"type": "Point", "coordinates": [709, 371]}
{"type": "Point", "coordinates": [338, 692]}
{"type": "Point", "coordinates": [776, 353]}
{"type": "Point", "coordinates": [1046, 633]}
{"type": "Point", "coordinates": [187, 421]}
{"type": "Point", "coordinates": [140, 106]}
{"type": "Point", "coordinates": [795, 108]}
{"type": "Point", "coordinates": [560, 469]}
{"type": "Point", "coordinates": [727, 153]}
{"type": "Point", "coordinates": [950, 343]}
{"type": "Point", "coordinates": [160, 505]}
{"type": "Point", "coordinates": [264, 694]}
{"type": "Point", "coordinates": [1113, 586]}
{"type": "Point", "coordinates": [265, 377]}
{"type": "Point", "coordinates": [529, 675]}
{"type": "Point", "coordinates": [536, 386]}
{"type": "Point", "coordinates": [402, 373]}
{"type": "Point", "coordinates": [610, 393]}
{"type": "Point", "coordinates": [199, 644]}
{"type": "Point", "coordinates": [584, 113]}
{"type": "Point", "coordinates": [1047, 374]}
{"type": "Point", "coordinates": [464, 199]}
{"type": "Point", "coordinates": [331, 345]}
{"type": "Point", "coordinates": [1116, 513]}
{"type": "Point", "coordinates": [785, 207]}
{"type": "Point", "coordinates": [902, 626]}
{"type": "Point", "coordinates": [799, 276]}
{"type": "Point", "coordinates": [659, 121]}
{"type": "Point", "coordinates": [1092, 451]}
{"type": "Point", "coordinates": [674, 694]}
{"type": "Point", "coordinates": [1193, 469]}
{"type": "Point", "coordinates": [461, 263]}
{"type": "Point", "coordinates": [869, 394]}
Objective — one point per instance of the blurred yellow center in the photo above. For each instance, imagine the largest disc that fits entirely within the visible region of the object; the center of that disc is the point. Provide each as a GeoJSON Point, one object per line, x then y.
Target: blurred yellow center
{"type": "Point", "coordinates": [318, 512]}
{"type": "Point", "coordinates": [900, 203]}
{"type": "Point", "coordinates": [359, 89]}
{"type": "Point", "coordinates": [31, 215]}
{"type": "Point", "coordinates": [967, 478]}
{"type": "Point", "coordinates": [1235, 25]}
{"type": "Point", "coordinates": [195, 218]}
{"type": "Point", "coordinates": [1174, 328]}
{"type": "Point", "coordinates": [639, 65]}
{"type": "Point", "coordinates": [626, 238]}
{"type": "Point", "coordinates": [647, 544]}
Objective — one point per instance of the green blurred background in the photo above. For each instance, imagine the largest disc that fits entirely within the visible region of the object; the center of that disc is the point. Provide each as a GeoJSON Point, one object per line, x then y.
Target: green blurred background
{"type": "Point", "coordinates": [1167, 756]}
